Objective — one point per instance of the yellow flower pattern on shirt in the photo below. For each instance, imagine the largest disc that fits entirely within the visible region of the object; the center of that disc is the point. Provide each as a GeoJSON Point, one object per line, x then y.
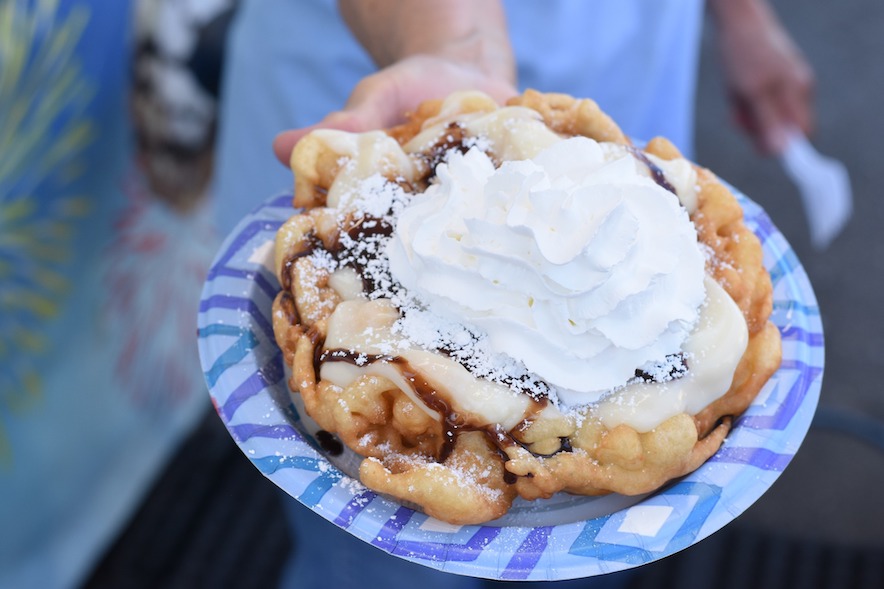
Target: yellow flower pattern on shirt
{"type": "Point", "coordinates": [42, 136]}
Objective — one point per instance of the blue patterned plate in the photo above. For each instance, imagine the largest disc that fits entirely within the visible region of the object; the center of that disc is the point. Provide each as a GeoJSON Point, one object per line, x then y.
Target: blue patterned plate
{"type": "Point", "coordinates": [562, 538]}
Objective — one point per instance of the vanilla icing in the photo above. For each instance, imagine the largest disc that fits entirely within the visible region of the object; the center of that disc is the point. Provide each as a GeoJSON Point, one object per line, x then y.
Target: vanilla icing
{"type": "Point", "coordinates": [712, 353]}
{"type": "Point", "coordinates": [713, 350]}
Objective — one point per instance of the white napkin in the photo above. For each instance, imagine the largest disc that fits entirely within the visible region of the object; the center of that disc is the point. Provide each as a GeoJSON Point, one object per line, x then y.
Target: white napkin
{"type": "Point", "coordinates": [824, 186]}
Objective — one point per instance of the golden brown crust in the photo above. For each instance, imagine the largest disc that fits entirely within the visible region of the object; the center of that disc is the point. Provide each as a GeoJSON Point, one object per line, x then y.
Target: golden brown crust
{"type": "Point", "coordinates": [570, 116]}
{"type": "Point", "coordinates": [407, 453]}
{"type": "Point", "coordinates": [468, 487]}
{"type": "Point", "coordinates": [412, 126]}
{"type": "Point", "coordinates": [760, 360]}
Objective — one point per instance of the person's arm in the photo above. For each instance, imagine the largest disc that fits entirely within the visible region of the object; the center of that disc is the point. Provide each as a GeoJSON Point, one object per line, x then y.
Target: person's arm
{"type": "Point", "coordinates": [769, 81]}
{"type": "Point", "coordinates": [425, 49]}
{"type": "Point", "coordinates": [465, 31]}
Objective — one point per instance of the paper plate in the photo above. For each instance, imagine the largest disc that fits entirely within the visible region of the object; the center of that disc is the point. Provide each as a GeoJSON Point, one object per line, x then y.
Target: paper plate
{"type": "Point", "coordinates": [562, 538]}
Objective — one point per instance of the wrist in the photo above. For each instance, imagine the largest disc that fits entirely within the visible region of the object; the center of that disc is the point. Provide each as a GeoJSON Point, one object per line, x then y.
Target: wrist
{"type": "Point", "coordinates": [470, 33]}
{"type": "Point", "coordinates": [483, 51]}
{"type": "Point", "coordinates": [735, 13]}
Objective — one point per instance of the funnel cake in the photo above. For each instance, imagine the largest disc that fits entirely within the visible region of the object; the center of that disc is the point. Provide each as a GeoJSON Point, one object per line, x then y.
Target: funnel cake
{"type": "Point", "coordinates": [451, 309]}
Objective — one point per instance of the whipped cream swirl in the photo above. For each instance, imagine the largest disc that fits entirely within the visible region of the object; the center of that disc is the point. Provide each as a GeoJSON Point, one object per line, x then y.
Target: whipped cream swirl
{"type": "Point", "coordinates": [573, 262]}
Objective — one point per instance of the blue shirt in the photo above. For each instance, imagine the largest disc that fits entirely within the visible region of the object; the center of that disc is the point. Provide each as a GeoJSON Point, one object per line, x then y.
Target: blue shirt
{"type": "Point", "coordinates": [291, 63]}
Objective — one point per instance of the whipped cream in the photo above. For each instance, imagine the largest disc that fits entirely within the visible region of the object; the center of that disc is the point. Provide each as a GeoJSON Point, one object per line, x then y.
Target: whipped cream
{"type": "Point", "coordinates": [573, 262]}
{"type": "Point", "coordinates": [712, 352]}
{"type": "Point", "coordinates": [367, 328]}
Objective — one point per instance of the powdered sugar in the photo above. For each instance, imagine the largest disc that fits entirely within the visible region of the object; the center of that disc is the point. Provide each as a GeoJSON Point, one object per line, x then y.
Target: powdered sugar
{"type": "Point", "coordinates": [322, 260]}
{"type": "Point", "coordinates": [470, 347]}
{"type": "Point", "coordinates": [375, 205]}
{"type": "Point", "coordinates": [466, 470]}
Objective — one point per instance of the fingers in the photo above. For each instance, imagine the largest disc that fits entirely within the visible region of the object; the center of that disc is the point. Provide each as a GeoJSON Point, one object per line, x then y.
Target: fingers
{"type": "Point", "coordinates": [381, 100]}
{"type": "Point", "coordinates": [284, 143]}
{"type": "Point", "coordinates": [772, 111]}
{"type": "Point", "coordinates": [373, 104]}
{"type": "Point", "coordinates": [364, 111]}
{"type": "Point", "coordinates": [771, 124]}
{"type": "Point", "coordinates": [771, 83]}
{"type": "Point", "coordinates": [797, 99]}
{"type": "Point", "coordinates": [759, 115]}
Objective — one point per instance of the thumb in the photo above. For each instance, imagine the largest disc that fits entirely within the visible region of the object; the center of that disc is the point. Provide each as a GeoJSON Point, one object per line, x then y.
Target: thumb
{"type": "Point", "coordinates": [284, 143]}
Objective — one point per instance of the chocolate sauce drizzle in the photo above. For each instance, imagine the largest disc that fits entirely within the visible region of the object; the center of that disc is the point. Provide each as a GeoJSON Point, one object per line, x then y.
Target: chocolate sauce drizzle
{"type": "Point", "coordinates": [656, 173]}
{"type": "Point", "coordinates": [366, 227]}
{"type": "Point", "coordinates": [307, 247]}
{"type": "Point", "coordinates": [453, 138]}
{"type": "Point", "coordinates": [287, 304]}
{"type": "Point", "coordinates": [678, 367]}
{"type": "Point", "coordinates": [329, 442]}
{"type": "Point", "coordinates": [452, 422]}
